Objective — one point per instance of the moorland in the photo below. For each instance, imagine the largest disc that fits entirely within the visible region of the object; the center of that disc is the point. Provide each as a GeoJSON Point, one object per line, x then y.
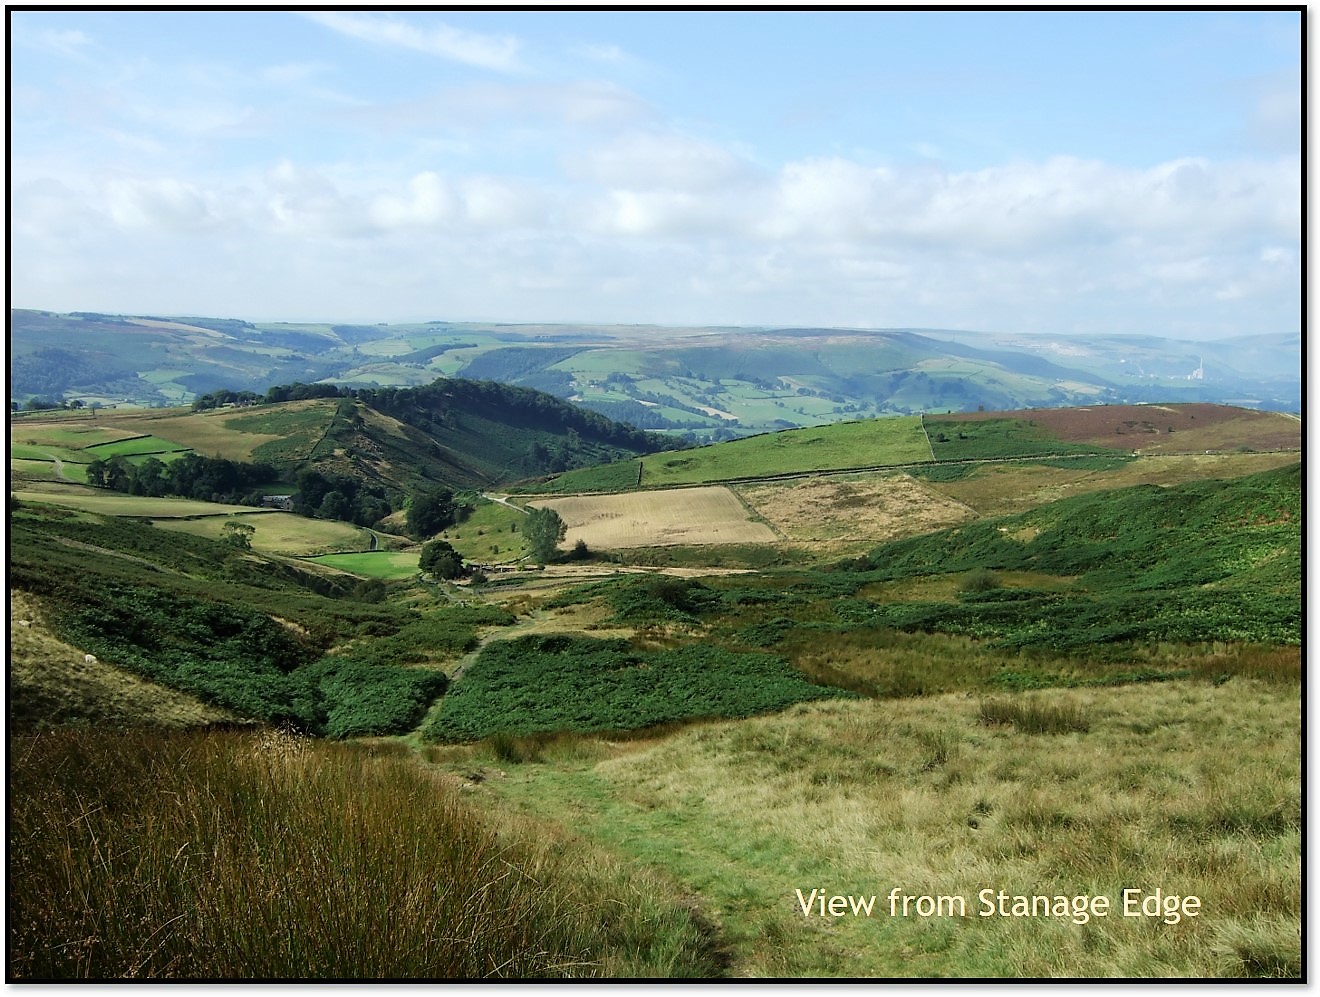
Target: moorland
{"type": "Point", "coordinates": [707, 384]}
{"type": "Point", "coordinates": [1036, 652]}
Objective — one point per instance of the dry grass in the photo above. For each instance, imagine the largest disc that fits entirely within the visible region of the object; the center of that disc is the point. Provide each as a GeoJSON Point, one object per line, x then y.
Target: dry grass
{"type": "Point", "coordinates": [1189, 787]}
{"type": "Point", "coordinates": [837, 511]}
{"type": "Point", "coordinates": [51, 683]}
{"type": "Point", "coordinates": [242, 856]}
{"type": "Point", "coordinates": [673, 517]}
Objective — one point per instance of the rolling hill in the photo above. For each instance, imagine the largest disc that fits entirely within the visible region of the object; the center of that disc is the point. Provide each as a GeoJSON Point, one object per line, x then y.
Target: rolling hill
{"type": "Point", "coordinates": [453, 433]}
{"type": "Point", "coordinates": [1020, 667]}
{"type": "Point", "coordinates": [707, 383]}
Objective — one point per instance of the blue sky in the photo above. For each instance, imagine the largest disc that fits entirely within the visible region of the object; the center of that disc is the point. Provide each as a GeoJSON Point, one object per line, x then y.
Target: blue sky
{"type": "Point", "coordinates": [1029, 172]}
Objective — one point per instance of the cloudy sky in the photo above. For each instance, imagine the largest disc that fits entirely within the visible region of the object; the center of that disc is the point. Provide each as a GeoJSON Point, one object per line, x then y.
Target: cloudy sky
{"type": "Point", "coordinates": [1051, 172]}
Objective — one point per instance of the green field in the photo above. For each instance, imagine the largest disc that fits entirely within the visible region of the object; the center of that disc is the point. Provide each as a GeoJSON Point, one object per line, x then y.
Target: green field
{"type": "Point", "coordinates": [130, 447]}
{"type": "Point", "coordinates": [873, 443]}
{"type": "Point", "coordinates": [991, 439]}
{"type": "Point", "coordinates": [489, 534]}
{"type": "Point", "coordinates": [374, 564]}
{"type": "Point", "coordinates": [278, 532]}
{"type": "Point", "coordinates": [115, 504]}
{"type": "Point", "coordinates": [27, 451]}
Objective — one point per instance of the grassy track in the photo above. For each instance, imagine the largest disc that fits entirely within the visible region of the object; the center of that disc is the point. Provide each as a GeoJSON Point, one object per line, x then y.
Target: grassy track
{"type": "Point", "coordinates": [861, 797]}
{"type": "Point", "coordinates": [240, 856]}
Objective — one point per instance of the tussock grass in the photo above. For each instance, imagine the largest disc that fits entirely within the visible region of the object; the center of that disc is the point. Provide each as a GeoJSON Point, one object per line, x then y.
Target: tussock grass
{"type": "Point", "coordinates": [1031, 716]}
{"type": "Point", "coordinates": [1187, 786]}
{"type": "Point", "coordinates": [228, 855]}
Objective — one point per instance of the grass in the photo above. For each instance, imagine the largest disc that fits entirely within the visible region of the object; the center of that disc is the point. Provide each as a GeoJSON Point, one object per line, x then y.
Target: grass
{"type": "Point", "coordinates": [51, 683]}
{"type": "Point", "coordinates": [861, 796]}
{"type": "Point", "coordinates": [133, 446]}
{"type": "Point", "coordinates": [490, 534]}
{"type": "Point", "coordinates": [116, 504]}
{"type": "Point", "coordinates": [872, 443]}
{"type": "Point", "coordinates": [279, 532]}
{"type": "Point", "coordinates": [228, 856]}
{"type": "Point", "coordinates": [374, 564]}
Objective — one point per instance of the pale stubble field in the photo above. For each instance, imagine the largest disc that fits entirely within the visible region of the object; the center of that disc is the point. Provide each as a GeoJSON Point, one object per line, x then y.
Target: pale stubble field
{"type": "Point", "coordinates": [672, 517]}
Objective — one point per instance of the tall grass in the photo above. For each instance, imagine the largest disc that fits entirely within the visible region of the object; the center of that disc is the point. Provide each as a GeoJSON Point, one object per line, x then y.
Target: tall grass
{"type": "Point", "coordinates": [245, 856]}
{"type": "Point", "coordinates": [1186, 786]}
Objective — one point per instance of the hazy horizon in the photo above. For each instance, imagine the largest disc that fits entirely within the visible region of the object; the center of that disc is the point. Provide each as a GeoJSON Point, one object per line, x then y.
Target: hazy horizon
{"type": "Point", "coordinates": [1024, 172]}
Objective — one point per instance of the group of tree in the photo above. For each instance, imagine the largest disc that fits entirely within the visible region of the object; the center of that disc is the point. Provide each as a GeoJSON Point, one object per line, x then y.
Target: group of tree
{"type": "Point", "coordinates": [216, 399]}
{"type": "Point", "coordinates": [440, 560]}
{"type": "Point", "coordinates": [210, 479]}
{"type": "Point", "coordinates": [340, 497]}
{"type": "Point", "coordinates": [431, 511]}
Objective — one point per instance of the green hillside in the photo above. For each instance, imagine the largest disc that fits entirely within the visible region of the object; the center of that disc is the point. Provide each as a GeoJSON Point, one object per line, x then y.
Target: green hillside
{"type": "Point", "coordinates": [1207, 561]}
{"type": "Point", "coordinates": [708, 384]}
{"type": "Point", "coordinates": [258, 636]}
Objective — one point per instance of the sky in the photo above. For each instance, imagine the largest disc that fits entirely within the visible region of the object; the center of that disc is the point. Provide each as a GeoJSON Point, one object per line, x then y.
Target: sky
{"type": "Point", "coordinates": [1040, 172]}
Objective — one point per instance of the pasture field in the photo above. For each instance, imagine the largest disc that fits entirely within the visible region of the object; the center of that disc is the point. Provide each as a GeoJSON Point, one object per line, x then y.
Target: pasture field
{"type": "Point", "coordinates": [948, 796]}
{"type": "Point", "coordinates": [871, 443]}
{"type": "Point", "coordinates": [30, 471]}
{"type": "Point", "coordinates": [278, 532]}
{"type": "Point", "coordinates": [1186, 427]}
{"type": "Point", "coordinates": [133, 446]}
{"type": "Point", "coordinates": [30, 452]}
{"type": "Point", "coordinates": [373, 564]}
{"type": "Point", "coordinates": [55, 434]}
{"type": "Point", "coordinates": [838, 513]}
{"type": "Point", "coordinates": [236, 434]}
{"type": "Point", "coordinates": [992, 439]}
{"type": "Point", "coordinates": [676, 517]}
{"type": "Point", "coordinates": [105, 503]}
{"type": "Point", "coordinates": [489, 534]}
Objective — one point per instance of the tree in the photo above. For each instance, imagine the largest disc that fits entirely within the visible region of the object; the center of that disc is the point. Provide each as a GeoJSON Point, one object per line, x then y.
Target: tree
{"type": "Point", "coordinates": [543, 529]}
{"type": "Point", "coordinates": [96, 473]}
{"type": "Point", "coordinates": [439, 558]}
{"type": "Point", "coordinates": [238, 535]}
{"type": "Point", "coordinates": [430, 512]}
{"type": "Point", "coordinates": [333, 506]}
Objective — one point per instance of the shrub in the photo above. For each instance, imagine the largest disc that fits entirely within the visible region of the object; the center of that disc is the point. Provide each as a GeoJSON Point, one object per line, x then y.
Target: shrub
{"type": "Point", "coordinates": [979, 580]}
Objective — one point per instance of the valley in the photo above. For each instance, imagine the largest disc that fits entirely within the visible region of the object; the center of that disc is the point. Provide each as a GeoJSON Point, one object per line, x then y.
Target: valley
{"type": "Point", "coordinates": [848, 658]}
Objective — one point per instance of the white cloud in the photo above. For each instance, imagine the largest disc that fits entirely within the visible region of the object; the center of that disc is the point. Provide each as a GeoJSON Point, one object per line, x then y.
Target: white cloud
{"type": "Point", "coordinates": [162, 204]}
{"type": "Point", "coordinates": [650, 226]}
{"type": "Point", "coordinates": [485, 51]}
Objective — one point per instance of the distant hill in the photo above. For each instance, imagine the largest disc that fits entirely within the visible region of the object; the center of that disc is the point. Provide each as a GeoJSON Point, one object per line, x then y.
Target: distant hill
{"type": "Point", "coordinates": [1104, 435]}
{"type": "Point", "coordinates": [707, 383]}
{"type": "Point", "coordinates": [454, 433]}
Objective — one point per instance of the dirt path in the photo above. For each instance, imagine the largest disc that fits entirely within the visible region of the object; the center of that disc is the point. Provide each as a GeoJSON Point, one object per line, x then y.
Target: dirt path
{"type": "Point", "coordinates": [503, 500]}
{"type": "Point", "coordinates": [59, 469]}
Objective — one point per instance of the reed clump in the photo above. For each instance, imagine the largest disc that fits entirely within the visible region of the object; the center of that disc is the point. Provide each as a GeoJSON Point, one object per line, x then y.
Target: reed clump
{"type": "Point", "coordinates": [240, 855]}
